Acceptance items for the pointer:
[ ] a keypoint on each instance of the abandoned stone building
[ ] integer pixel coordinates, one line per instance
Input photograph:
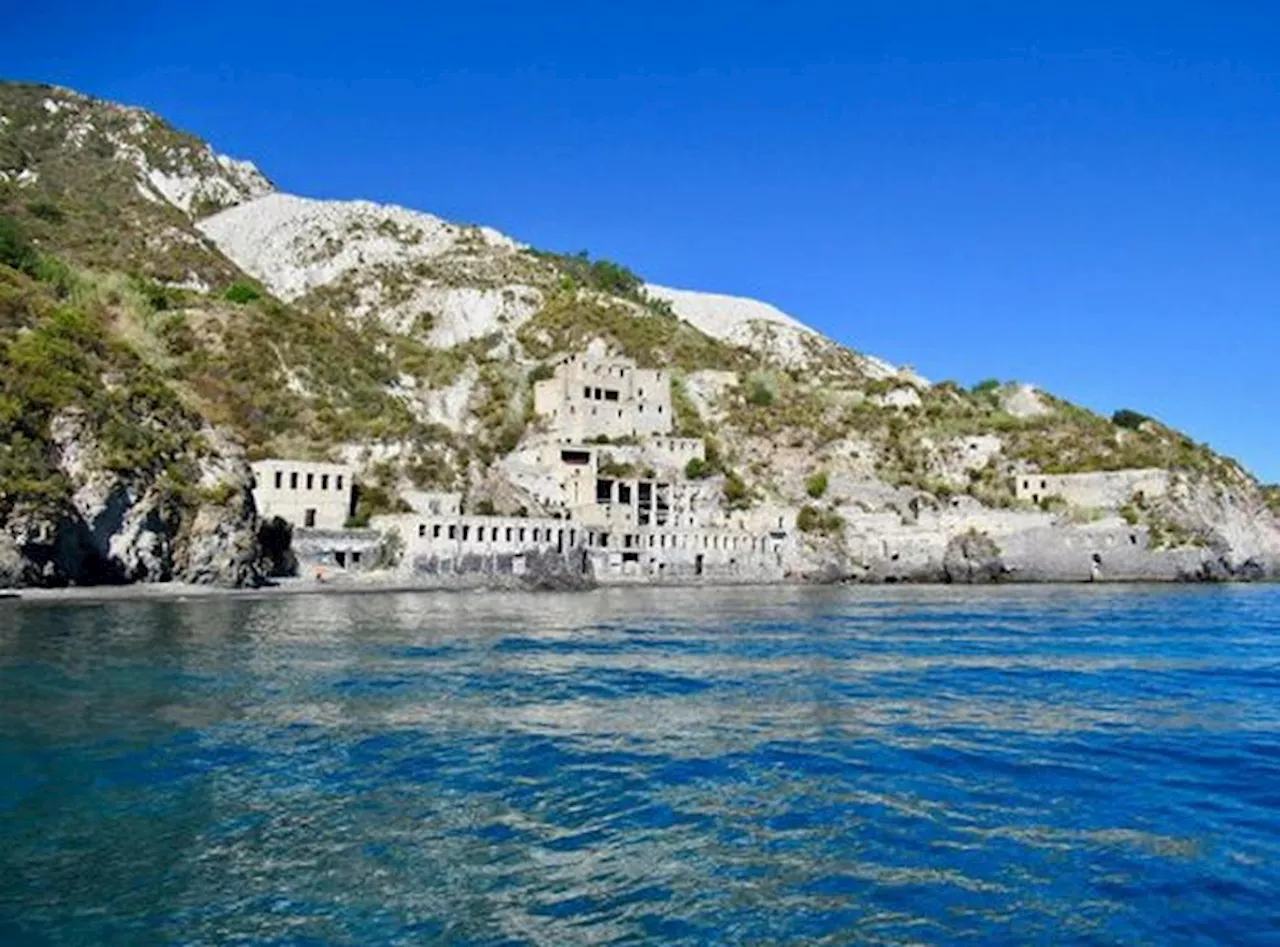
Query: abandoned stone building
(604, 471)
(440, 546)
(305, 495)
(1110, 489)
(591, 395)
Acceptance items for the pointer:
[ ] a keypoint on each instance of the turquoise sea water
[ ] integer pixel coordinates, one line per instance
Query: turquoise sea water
(926, 766)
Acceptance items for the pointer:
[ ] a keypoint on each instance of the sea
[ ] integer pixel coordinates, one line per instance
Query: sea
(868, 765)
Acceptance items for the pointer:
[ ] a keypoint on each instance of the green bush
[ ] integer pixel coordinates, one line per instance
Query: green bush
(697, 469)
(15, 249)
(241, 293)
(736, 492)
(602, 275)
(608, 467)
(541, 372)
(816, 485)
(810, 519)
(760, 395)
(1130, 420)
(988, 386)
(46, 210)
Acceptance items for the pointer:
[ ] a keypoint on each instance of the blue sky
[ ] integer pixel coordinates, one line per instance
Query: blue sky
(1085, 197)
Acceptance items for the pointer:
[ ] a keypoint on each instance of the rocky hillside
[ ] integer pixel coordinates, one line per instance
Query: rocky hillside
(267, 323)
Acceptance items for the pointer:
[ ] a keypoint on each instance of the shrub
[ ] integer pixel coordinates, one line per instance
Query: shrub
(688, 423)
(376, 499)
(697, 469)
(810, 519)
(608, 467)
(56, 275)
(241, 293)
(1130, 420)
(736, 493)
(988, 386)
(15, 249)
(46, 210)
(1132, 515)
(816, 485)
(760, 395)
(541, 372)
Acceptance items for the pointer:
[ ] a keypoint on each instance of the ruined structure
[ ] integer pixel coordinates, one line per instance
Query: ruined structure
(1109, 490)
(305, 495)
(591, 395)
(610, 478)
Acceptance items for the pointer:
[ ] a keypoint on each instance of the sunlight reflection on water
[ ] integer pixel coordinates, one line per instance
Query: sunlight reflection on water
(690, 766)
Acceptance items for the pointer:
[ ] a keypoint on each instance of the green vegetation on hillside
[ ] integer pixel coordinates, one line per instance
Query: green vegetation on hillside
(59, 357)
(570, 319)
(82, 199)
(812, 519)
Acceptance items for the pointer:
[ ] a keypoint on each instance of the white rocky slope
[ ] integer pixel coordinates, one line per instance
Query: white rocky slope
(755, 325)
(401, 264)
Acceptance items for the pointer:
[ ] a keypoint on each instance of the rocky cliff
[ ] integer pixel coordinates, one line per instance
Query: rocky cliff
(188, 314)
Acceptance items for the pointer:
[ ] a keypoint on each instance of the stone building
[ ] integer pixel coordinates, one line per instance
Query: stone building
(1110, 489)
(306, 495)
(441, 546)
(592, 395)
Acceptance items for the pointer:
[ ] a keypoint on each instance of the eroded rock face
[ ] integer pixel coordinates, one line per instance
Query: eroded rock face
(118, 527)
(972, 558)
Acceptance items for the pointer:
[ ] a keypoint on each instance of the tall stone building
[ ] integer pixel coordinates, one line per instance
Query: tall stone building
(591, 395)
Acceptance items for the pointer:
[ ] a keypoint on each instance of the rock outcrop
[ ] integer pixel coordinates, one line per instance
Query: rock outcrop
(118, 527)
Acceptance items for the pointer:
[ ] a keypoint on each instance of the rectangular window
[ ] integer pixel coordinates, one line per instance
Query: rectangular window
(509, 531)
(311, 481)
(324, 481)
(453, 531)
(586, 393)
(293, 480)
(339, 481)
(479, 534)
(309, 519)
(610, 395)
(279, 479)
(521, 534)
(598, 394)
(466, 533)
(435, 531)
(422, 530)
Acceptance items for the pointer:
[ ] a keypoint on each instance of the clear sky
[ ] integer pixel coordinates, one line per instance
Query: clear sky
(1083, 195)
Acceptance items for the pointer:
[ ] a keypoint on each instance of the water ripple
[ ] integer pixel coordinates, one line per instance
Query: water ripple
(827, 766)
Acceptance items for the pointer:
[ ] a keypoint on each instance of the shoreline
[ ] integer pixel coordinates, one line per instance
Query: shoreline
(186, 591)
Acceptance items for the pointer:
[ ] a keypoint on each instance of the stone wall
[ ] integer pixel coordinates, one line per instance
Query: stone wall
(1102, 489)
(501, 545)
(345, 550)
